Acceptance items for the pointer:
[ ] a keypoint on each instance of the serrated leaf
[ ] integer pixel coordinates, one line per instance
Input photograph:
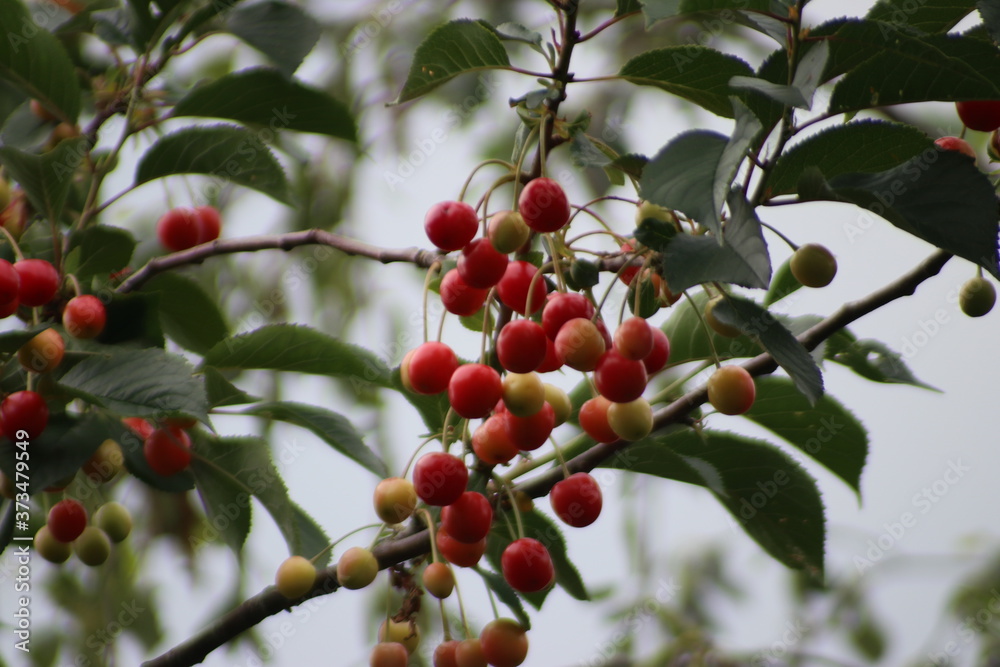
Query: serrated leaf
(693, 260)
(769, 495)
(871, 359)
(222, 392)
(283, 32)
(691, 340)
(864, 146)
(696, 73)
(929, 16)
(505, 594)
(682, 176)
(828, 432)
(188, 315)
(990, 12)
(265, 97)
(47, 178)
(247, 465)
(138, 383)
(455, 48)
(226, 500)
(99, 251)
(755, 320)
(227, 153)
(655, 234)
(808, 76)
(334, 429)
(36, 62)
(782, 284)
(300, 349)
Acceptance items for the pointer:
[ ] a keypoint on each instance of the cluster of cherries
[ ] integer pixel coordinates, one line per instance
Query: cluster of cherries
(66, 532)
(183, 227)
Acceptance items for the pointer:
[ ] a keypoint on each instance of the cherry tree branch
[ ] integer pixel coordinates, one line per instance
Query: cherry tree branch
(415, 542)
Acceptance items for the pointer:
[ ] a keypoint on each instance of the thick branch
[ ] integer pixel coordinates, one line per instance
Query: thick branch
(414, 544)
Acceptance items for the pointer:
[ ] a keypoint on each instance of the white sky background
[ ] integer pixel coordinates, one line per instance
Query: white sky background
(914, 434)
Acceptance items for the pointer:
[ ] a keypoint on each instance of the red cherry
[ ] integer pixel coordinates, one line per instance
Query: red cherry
(618, 379)
(9, 308)
(179, 229)
(543, 205)
(24, 411)
(577, 500)
(469, 518)
(84, 316)
(521, 346)
(657, 359)
(562, 307)
(530, 433)
(580, 344)
(513, 287)
(594, 420)
(167, 450)
(527, 565)
(444, 654)
(39, 281)
(634, 338)
(458, 553)
(459, 297)
(504, 643)
(491, 443)
(66, 520)
(482, 265)
(552, 361)
(9, 283)
(981, 115)
(139, 426)
(450, 225)
(440, 478)
(474, 389)
(209, 223)
(629, 273)
(431, 367)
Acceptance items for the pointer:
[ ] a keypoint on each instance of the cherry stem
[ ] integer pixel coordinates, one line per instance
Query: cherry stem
(513, 505)
(18, 255)
(445, 430)
(493, 602)
(664, 394)
(556, 262)
(343, 537)
(413, 457)
(468, 181)
(520, 163)
(709, 333)
(444, 619)
(434, 268)
(431, 528)
(559, 455)
(487, 332)
(461, 611)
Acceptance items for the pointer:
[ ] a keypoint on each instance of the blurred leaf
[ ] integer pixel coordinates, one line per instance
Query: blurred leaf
(283, 32)
(227, 153)
(627, 7)
(990, 12)
(58, 452)
(189, 316)
(334, 429)
(585, 153)
(226, 500)
(783, 283)
(46, 178)
(221, 392)
(505, 594)
(99, 251)
(264, 97)
(452, 49)
(433, 409)
(872, 359)
(517, 32)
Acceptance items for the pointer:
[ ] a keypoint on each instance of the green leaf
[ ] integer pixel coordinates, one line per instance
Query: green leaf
(134, 319)
(263, 97)
(283, 32)
(828, 432)
(693, 260)
(227, 502)
(808, 76)
(141, 383)
(627, 7)
(227, 153)
(334, 429)
(872, 359)
(35, 61)
(12, 341)
(991, 17)
(46, 178)
(696, 73)
(691, 340)
(929, 16)
(222, 392)
(782, 284)
(940, 197)
(299, 349)
(865, 146)
(656, 10)
(188, 315)
(769, 495)
(247, 466)
(455, 48)
(540, 527)
(788, 352)
(99, 251)
(505, 594)
(517, 32)
(586, 153)
(655, 234)
(433, 409)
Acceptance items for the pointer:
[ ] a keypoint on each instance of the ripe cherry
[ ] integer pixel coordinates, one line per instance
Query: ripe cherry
(440, 478)
(450, 225)
(955, 144)
(632, 420)
(469, 653)
(977, 297)
(527, 565)
(521, 346)
(507, 231)
(469, 518)
(577, 500)
(139, 426)
(43, 353)
(513, 287)
(813, 265)
(66, 520)
(580, 344)
(594, 419)
(634, 338)
(431, 367)
(356, 568)
(167, 450)
(458, 553)
(24, 411)
(39, 281)
(618, 379)
(491, 443)
(552, 361)
(474, 389)
(209, 223)
(656, 360)
(10, 283)
(980, 115)
(439, 580)
(482, 265)
(460, 298)
(295, 576)
(444, 654)
(561, 307)
(179, 229)
(84, 316)
(543, 205)
(389, 654)
(504, 642)
(731, 390)
(395, 499)
(530, 433)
